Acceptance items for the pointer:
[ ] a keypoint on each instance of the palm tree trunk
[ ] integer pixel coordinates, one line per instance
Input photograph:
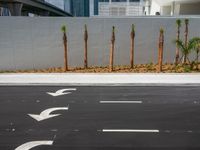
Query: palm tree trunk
(132, 47)
(132, 53)
(186, 40)
(85, 48)
(197, 60)
(177, 49)
(65, 52)
(160, 52)
(112, 47)
(184, 59)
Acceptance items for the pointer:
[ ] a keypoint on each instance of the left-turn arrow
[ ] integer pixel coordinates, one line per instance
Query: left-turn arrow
(33, 144)
(62, 92)
(46, 113)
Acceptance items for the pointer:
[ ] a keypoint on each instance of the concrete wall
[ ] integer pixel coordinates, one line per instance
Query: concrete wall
(32, 43)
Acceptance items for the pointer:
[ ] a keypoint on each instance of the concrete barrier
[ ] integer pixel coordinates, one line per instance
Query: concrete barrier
(35, 43)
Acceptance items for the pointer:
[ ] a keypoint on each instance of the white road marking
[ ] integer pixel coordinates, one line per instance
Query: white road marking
(121, 102)
(33, 144)
(54, 130)
(130, 130)
(61, 92)
(167, 131)
(46, 113)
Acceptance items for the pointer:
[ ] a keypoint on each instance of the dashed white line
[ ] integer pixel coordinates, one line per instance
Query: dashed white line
(121, 102)
(130, 130)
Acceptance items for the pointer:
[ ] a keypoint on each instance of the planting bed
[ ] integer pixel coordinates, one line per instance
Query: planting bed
(141, 68)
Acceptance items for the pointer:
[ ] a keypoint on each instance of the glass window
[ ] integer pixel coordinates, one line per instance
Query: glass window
(103, 0)
(119, 0)
(134, 0)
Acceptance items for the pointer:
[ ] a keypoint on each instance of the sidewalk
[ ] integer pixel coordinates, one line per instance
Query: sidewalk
(93, 79)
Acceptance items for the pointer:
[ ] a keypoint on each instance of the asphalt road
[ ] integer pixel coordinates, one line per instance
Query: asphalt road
(100, 118)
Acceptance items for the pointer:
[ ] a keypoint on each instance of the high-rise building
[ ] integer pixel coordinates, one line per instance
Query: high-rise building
(67, 5)
(62, 4)
(117, 7)
(4, 11)
(80, 8)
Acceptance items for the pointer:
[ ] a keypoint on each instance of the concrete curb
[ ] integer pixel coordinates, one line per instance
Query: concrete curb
(99, 79)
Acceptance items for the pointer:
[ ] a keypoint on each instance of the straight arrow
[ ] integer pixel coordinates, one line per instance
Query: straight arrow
(33, 144)
(61, 92)
(46, 113)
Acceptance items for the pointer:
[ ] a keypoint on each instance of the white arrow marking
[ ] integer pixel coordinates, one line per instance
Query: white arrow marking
(46, 114)
(30, 145)
(61, 92)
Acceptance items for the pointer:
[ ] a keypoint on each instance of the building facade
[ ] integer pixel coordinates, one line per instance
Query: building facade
(4, 11)
(80, 8)
(173, 7)
(32, 8)
(104, 8)
(117, 7)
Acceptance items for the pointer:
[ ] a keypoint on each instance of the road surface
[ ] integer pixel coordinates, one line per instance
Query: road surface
(100, 118)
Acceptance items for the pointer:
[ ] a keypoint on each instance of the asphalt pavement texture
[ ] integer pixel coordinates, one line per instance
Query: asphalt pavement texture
(100, 118)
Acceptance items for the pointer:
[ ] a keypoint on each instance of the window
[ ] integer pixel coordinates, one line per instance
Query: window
(119, 0)
(117, 11)
(4, 11)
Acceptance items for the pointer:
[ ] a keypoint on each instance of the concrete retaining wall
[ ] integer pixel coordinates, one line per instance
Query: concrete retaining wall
(33, 43)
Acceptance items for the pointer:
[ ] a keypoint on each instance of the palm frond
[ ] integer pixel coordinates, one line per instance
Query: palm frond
(180, 45)
(195, 40)
(63, 28)
(178, 22)
(133, 28)
(192, 44)
(161, 30)
(186, 21)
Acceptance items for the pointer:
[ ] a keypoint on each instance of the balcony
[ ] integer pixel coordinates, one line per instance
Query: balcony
(120, 9)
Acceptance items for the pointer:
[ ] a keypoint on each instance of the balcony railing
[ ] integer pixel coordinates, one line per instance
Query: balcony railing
(120, 9)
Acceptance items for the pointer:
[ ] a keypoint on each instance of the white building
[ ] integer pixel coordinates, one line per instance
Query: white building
(117, 7)
(172, 7)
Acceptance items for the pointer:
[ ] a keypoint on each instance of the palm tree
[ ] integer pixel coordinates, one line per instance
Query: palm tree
(197, 50)
(160, 50)
(178, 24)
(112, 47)
(63, 29)
(132, 46)
(86, 47)
(187, 48)
(186, 38)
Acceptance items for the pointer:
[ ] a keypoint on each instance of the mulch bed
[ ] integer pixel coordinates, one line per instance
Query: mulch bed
(141, 68)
